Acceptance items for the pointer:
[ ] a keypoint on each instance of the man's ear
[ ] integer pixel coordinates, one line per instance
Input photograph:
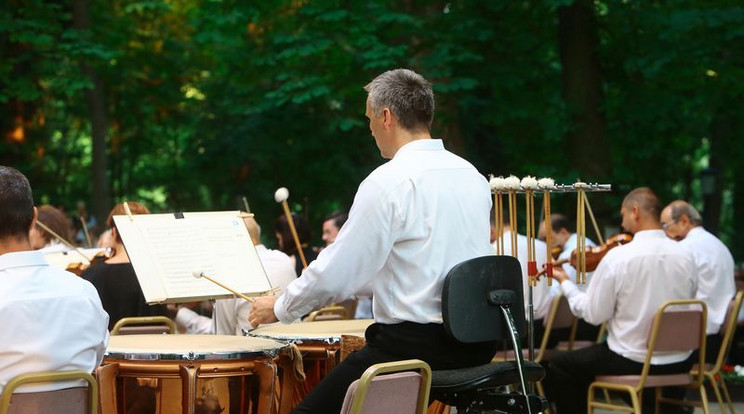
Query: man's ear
(33, 221)
(387, 118)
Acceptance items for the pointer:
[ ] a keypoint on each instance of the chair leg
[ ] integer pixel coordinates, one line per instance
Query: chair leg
(716, 391)
(657, 400)
(704, 399)
(728, 397)
(541, 392)
(606, 395)
(635, 399)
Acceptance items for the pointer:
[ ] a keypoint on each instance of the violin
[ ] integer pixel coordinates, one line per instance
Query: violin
(79, 267)
(595, 254)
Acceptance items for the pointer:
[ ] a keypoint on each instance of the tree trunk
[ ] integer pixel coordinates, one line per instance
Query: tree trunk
(100, 198)
(587, 143)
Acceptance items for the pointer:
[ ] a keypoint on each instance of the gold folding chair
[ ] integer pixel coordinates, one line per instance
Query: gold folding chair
(328, 313)
(671, 331)
(712, 370)
(72, 400)
(140, 325)
(401, 391)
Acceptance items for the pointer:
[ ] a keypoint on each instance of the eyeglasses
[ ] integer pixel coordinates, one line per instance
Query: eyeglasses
(666, 225)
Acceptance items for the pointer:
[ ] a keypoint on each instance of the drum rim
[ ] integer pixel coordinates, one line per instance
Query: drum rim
(192, 356)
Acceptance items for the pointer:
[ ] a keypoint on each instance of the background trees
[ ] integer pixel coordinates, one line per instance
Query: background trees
(191, 105)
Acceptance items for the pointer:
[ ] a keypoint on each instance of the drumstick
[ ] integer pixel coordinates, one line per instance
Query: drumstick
(200, 275)
(281, 195)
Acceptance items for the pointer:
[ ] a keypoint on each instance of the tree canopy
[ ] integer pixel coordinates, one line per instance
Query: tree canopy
(205, 102)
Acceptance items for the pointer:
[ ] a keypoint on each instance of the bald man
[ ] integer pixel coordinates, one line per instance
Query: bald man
(231, 315)
(714, 263)
(629, 285)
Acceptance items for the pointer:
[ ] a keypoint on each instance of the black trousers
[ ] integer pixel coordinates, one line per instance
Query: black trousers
(571, 373)
(385, 343)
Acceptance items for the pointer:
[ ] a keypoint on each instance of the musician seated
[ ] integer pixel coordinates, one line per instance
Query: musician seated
(287, 244)
(540, 293)
(115, 280)
(52, 319)
(562, 237)
(628, 286)
(56, 221)
(231, 315)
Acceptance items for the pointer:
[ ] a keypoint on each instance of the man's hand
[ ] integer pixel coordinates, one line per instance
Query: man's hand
(262, 311)
(559, 274)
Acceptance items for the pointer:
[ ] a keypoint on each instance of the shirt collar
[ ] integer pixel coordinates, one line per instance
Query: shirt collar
(695, 231)
(423, 144)
(22, 259)
(649, 234)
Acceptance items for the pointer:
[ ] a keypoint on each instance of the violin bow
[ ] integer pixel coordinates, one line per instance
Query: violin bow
(62, 239)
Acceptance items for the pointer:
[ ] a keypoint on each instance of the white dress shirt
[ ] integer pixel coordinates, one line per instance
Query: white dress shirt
(629, 285)
(52, 320)
(540, 293)
(715, 267)
(413, 219)
(231, 315)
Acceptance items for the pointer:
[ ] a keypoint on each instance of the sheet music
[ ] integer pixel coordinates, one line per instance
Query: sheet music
(165, 252)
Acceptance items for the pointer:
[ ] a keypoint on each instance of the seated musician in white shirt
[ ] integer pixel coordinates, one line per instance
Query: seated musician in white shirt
(412, 220)
(628, 286)
(52, 319)
(230, 316)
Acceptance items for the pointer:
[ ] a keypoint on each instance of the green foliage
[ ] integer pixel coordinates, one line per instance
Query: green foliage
(209, 101)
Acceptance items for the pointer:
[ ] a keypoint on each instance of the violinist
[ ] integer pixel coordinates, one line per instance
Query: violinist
(564, 239)
(628, 286)
(540, 293)
(52, 320)
(115, 279)
(57, 221)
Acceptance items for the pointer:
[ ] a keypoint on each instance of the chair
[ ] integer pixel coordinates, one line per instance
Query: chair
(712, 370)
(400, 391)
(140, 325)
(69, 400)
(477, 301)
(671, 331)
(328, 313)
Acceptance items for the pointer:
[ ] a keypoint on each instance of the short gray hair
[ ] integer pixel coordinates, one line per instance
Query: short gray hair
(408, 96)
(681, 208)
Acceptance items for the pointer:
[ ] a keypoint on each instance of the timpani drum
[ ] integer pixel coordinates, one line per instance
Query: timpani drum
(319, 343)
(194, 360)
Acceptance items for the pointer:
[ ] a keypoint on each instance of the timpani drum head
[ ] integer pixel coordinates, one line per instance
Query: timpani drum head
(323, 331)
(189, 347)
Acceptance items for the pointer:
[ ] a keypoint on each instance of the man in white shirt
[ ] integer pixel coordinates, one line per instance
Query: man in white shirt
(412, 220)
(629, 285)
(714, 263)
(52, 319)
(230, 316)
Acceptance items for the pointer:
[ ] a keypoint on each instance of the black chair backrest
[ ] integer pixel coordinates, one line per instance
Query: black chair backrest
(469, 316)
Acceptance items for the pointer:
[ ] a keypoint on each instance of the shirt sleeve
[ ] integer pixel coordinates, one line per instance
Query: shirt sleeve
(597, 304)
(348, 264)
(193, 322)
